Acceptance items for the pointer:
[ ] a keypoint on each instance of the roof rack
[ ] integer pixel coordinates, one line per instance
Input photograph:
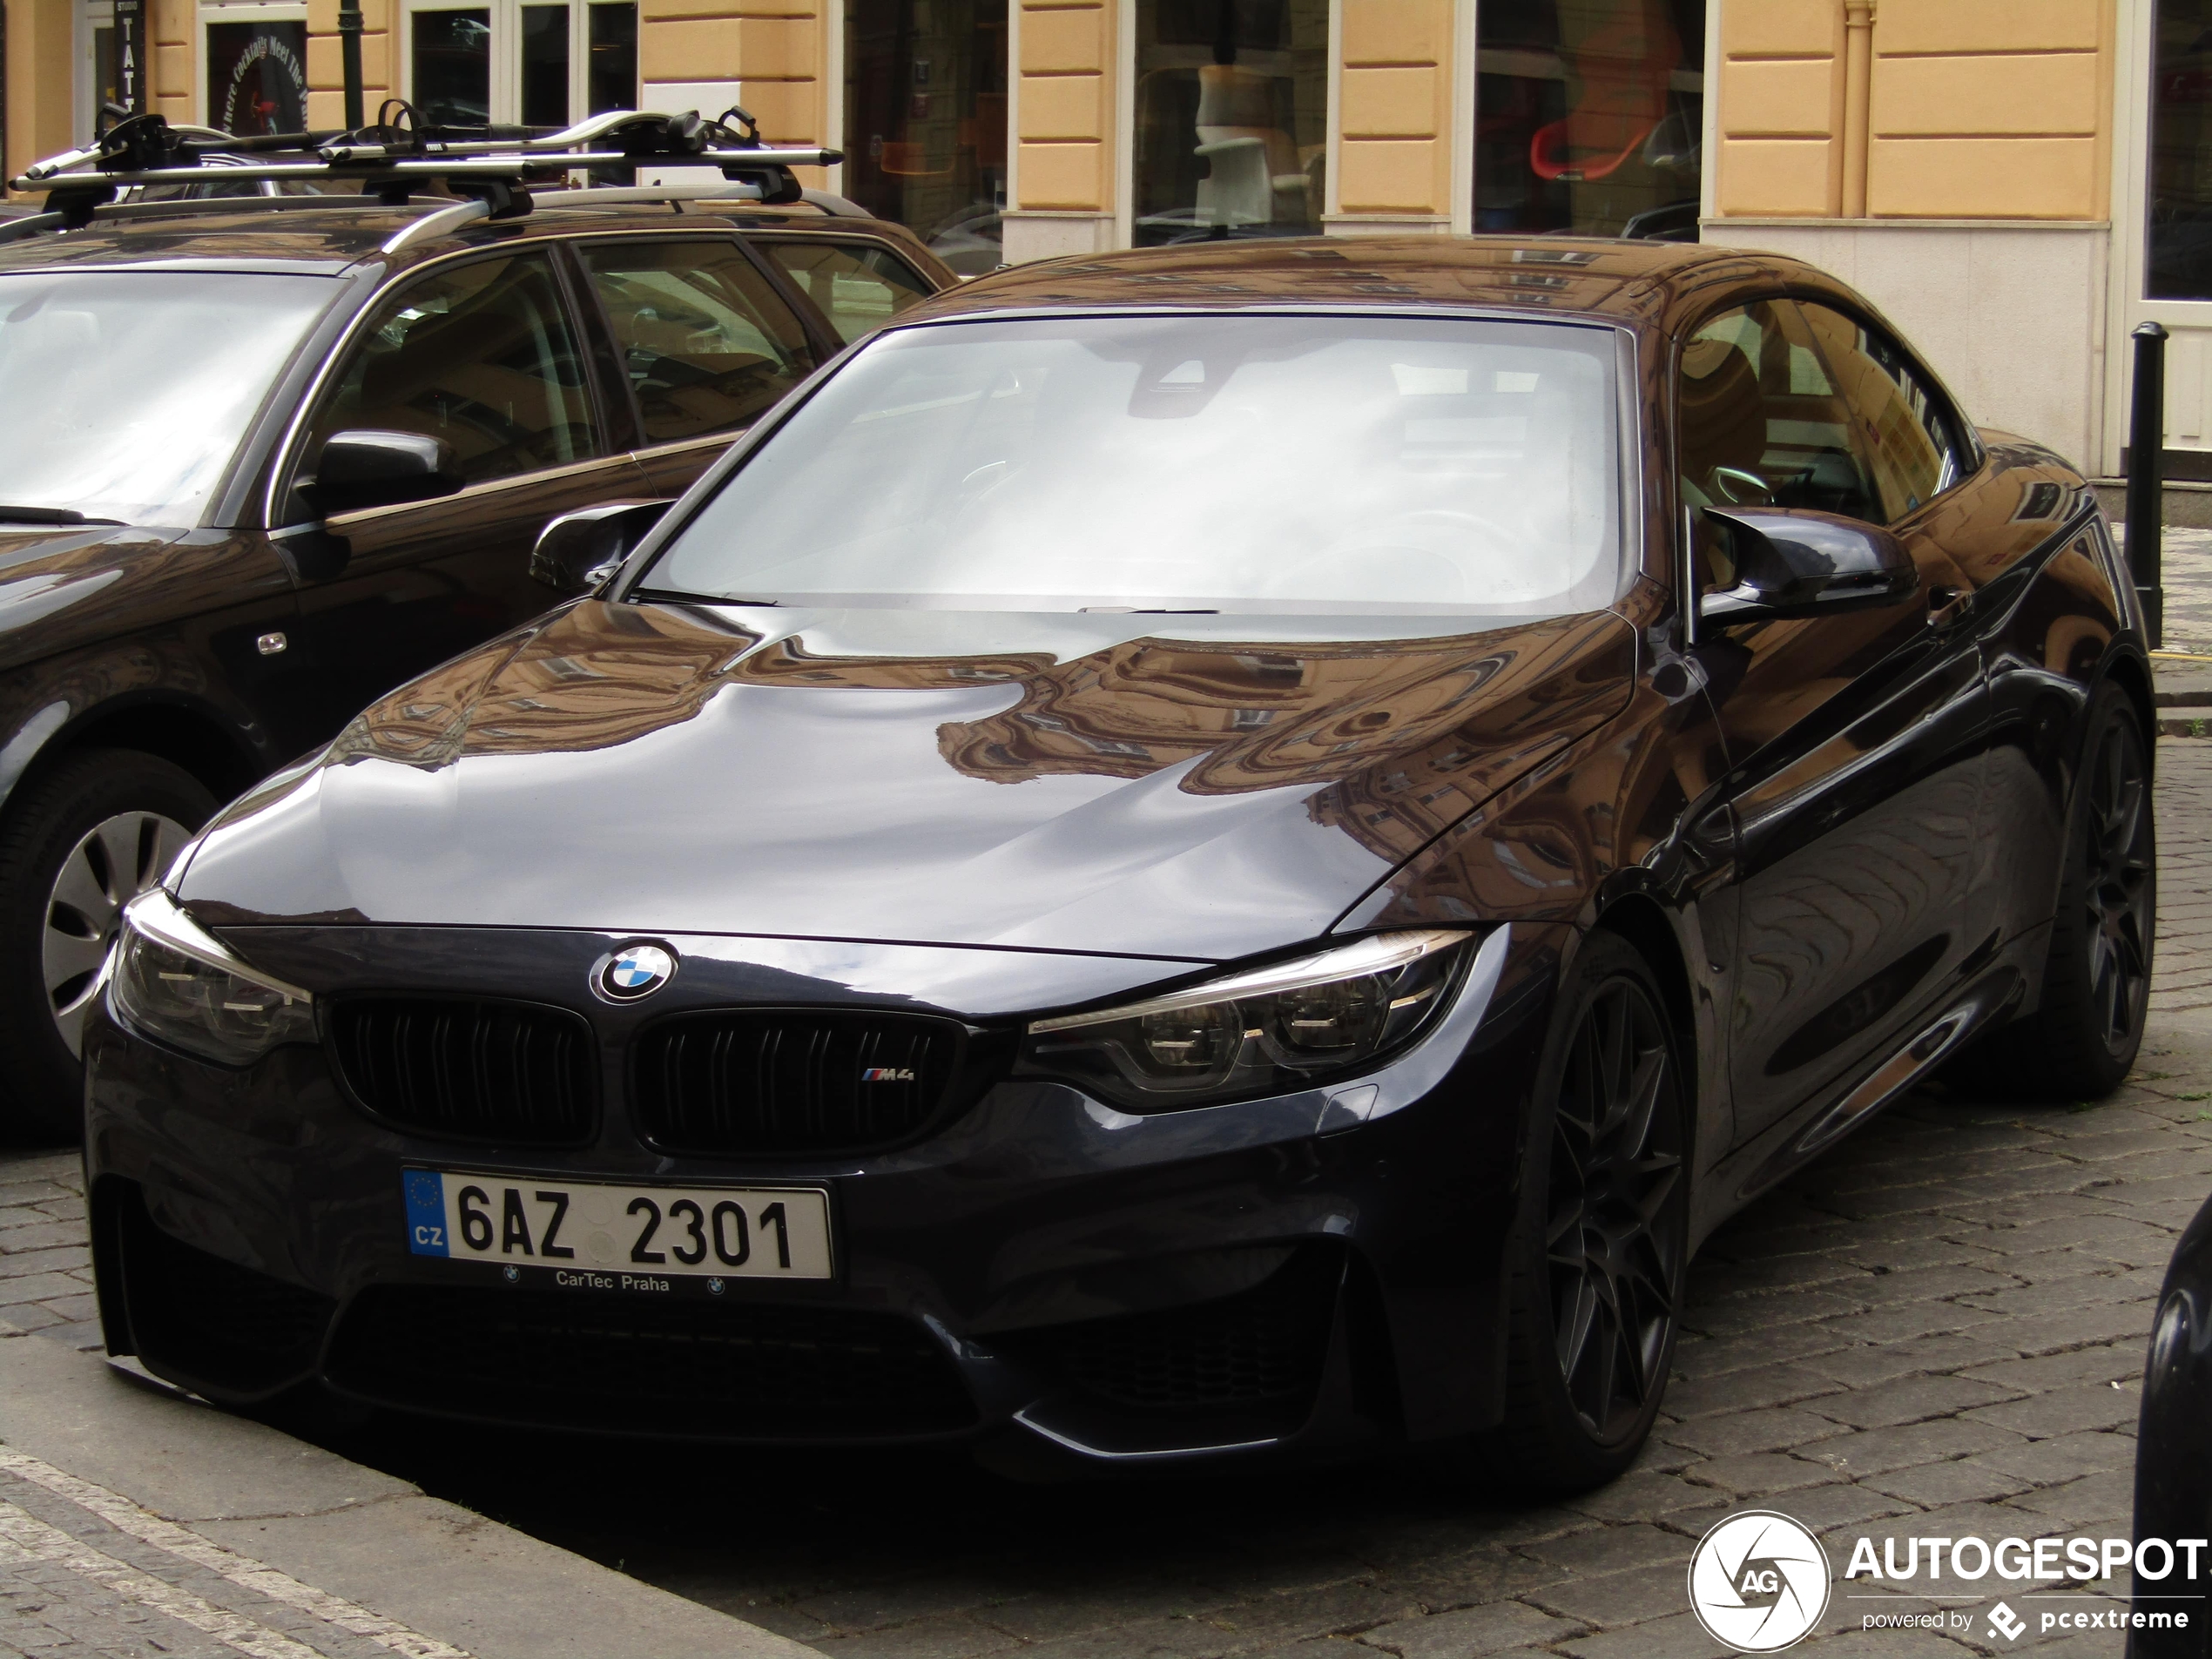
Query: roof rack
(494, 165)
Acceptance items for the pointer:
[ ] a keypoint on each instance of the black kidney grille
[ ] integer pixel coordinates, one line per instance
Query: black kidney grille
(723, 1369)
(773, 1080)
(474, 1070)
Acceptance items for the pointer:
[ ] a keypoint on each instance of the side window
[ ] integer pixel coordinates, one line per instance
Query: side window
(708, 342)
(854, 286)
(1900, 434)
(479, 355)
(1761, 421)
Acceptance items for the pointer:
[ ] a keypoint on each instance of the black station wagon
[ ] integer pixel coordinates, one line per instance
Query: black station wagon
(262, 459)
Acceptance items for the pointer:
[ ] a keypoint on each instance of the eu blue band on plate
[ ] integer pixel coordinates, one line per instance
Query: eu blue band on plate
(426, 1213)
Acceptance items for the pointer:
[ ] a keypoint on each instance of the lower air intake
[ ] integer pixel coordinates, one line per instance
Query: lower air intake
(229, 1331)
(1258, 1350)
(505, 1072)
(715, 1370)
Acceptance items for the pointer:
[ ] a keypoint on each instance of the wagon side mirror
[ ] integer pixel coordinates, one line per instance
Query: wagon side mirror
(367, 468)
(576, 551)
(1792, 561)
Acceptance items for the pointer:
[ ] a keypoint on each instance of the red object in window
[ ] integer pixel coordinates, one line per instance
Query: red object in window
(1623, 68)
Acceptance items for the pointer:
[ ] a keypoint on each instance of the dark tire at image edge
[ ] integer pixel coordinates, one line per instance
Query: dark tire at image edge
(1600, 1248)
(78, 842)
(2081, 1041)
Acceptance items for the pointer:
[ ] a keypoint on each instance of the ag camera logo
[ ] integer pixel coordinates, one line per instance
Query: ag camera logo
(1758, 1581)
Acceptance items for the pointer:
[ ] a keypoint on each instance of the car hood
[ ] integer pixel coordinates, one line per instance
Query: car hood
(1046, 782)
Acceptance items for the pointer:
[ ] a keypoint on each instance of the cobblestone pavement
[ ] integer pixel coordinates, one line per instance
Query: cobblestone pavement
(2185, 556)
(1937, 1330)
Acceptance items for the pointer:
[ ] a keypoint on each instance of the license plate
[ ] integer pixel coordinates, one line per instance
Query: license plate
(584, 1233)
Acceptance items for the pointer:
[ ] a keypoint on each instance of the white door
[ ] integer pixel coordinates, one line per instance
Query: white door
(95, 79)
(2162, 262)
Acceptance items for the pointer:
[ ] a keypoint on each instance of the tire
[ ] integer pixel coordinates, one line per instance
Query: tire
(2081, 1041)
(1600, 1249)
(76, 843)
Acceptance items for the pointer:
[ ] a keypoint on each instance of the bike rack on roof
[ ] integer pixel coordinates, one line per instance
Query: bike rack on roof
(494, 165)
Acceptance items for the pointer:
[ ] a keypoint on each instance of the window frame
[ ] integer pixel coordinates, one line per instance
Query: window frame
(1965, 441)
(218, 11)
(504, 86)
(282, 509)
(1965, 438)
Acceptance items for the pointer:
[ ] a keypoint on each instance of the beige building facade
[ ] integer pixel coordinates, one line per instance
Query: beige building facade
(2017, 182)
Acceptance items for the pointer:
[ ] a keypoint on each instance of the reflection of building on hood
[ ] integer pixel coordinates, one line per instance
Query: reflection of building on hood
(1394, 739)
(642, 669)
(1400, 739)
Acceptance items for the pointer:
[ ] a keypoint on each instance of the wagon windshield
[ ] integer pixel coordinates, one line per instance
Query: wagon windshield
(124, 393)
(1253, 464)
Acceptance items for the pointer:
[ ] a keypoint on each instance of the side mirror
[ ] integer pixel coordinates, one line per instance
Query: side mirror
(578, 551)
(367, 468)
(1792, 561)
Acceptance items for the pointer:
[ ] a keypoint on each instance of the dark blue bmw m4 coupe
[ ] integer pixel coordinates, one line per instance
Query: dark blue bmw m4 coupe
(1215, 852)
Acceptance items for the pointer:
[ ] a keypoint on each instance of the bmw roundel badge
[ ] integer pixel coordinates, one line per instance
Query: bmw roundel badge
(632, 973)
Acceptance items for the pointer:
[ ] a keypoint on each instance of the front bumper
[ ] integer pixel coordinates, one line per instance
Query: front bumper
(1043, 1274)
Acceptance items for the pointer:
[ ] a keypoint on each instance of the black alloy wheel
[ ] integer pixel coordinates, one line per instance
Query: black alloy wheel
(1598, 1267)
(2081, 1040)
(1613, 1234)
(2118, 906)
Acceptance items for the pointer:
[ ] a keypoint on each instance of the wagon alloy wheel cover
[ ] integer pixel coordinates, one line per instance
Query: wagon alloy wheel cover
(118, 859)
(1614, 1238)
(2118, 890)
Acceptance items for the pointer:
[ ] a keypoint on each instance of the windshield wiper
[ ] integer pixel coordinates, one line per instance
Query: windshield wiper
(49, 516)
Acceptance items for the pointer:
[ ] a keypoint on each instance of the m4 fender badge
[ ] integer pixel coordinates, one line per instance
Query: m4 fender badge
(887, 1074)
(633, 972)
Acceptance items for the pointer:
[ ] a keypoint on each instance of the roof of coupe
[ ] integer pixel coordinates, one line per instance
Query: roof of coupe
(1628, 280)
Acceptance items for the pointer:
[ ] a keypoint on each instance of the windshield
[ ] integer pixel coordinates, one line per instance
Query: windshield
(123, 394)
(1258, 464)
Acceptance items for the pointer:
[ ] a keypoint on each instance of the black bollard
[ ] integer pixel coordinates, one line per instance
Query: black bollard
(2146, 491)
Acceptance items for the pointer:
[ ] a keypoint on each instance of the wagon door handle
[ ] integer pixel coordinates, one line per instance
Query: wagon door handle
(1946, 605)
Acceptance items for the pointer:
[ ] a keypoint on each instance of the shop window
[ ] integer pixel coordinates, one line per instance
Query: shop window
(2179, 263)
(452, 63)
(1589, 117)
(1232, 105)
(257, 72)
(536, 65)
(610, 67)
(925, 121)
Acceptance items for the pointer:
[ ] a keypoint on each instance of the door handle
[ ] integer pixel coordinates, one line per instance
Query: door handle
(1947, 606)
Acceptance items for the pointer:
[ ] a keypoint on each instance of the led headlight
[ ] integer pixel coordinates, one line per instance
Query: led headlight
(173, 981)
(1268, 1030)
